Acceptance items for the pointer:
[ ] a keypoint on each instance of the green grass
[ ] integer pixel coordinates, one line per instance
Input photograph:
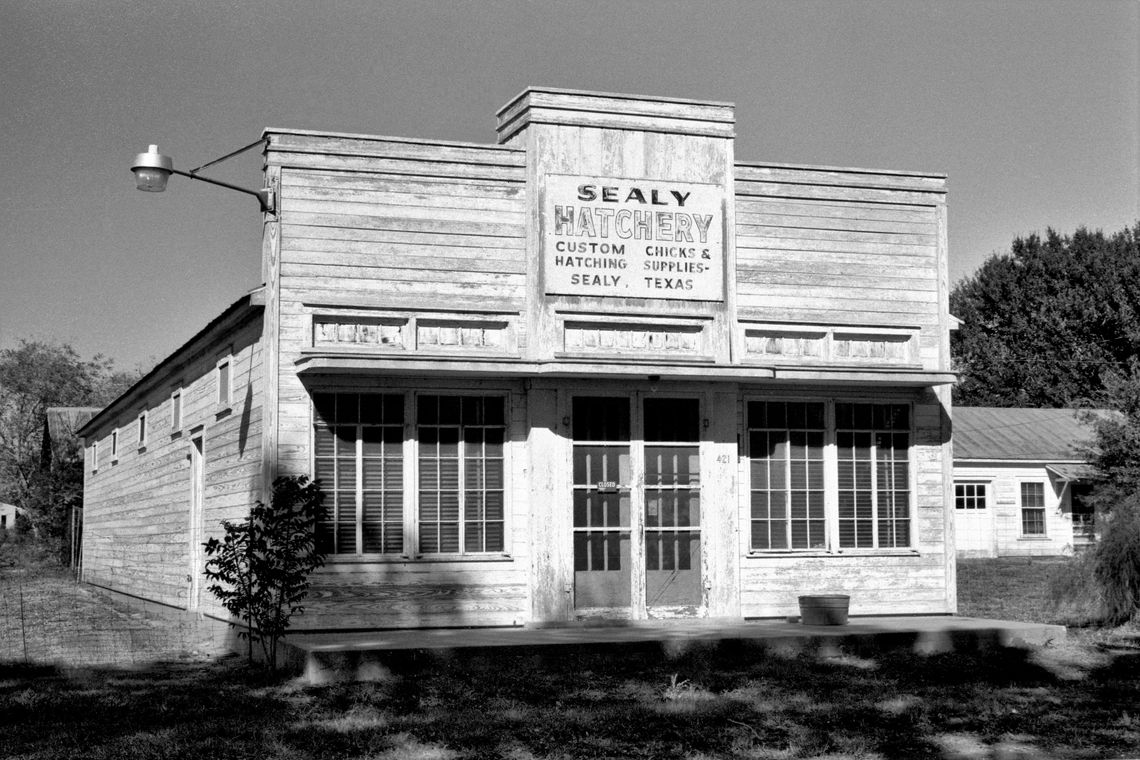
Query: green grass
(1074, 699)
(1055, 703)
(1009, 588)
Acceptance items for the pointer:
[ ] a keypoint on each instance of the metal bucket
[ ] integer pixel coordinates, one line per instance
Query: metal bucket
(824, 609)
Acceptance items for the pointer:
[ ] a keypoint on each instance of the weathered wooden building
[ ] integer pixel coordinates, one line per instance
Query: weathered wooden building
(602, 368)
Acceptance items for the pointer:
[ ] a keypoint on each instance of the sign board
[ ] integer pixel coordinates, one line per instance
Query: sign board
(632, 238)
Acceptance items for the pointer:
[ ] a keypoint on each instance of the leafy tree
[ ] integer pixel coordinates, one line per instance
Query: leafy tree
(261, 565)
(34, 376)
(1042, 323)
(1114, 567)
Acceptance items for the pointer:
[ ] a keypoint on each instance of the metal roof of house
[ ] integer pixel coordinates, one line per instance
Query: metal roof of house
(63, 421)
(1042, 435)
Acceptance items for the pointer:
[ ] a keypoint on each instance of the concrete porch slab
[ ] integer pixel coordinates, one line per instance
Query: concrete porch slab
(375, 655)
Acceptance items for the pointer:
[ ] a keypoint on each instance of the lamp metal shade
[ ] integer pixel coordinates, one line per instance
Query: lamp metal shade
(152, 169)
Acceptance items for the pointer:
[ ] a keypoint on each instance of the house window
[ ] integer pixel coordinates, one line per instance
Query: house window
(176, 409)
(94, 456)
(872, 444)
(456, 502)
(142, 429)
(969, 495)
(114, 444)
(786, 441)
(1033, 509)
(224, 380)
(461, 491)
(358, 444)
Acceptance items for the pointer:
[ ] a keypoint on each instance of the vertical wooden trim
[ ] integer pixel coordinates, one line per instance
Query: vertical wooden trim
(729, 342)
(271, 339)
(720, 508)
(638, 607)
(552, 565)
(535, 308)
(830, 476)
(410, 451)
(945, 404)
(197, 513)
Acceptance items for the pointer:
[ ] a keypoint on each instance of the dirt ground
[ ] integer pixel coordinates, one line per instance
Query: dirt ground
(46, 618)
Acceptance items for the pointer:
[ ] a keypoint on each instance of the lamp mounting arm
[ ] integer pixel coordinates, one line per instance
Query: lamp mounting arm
(228, 156)
(264, 195)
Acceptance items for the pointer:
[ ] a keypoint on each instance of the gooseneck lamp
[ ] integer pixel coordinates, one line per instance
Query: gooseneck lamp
(152, 170)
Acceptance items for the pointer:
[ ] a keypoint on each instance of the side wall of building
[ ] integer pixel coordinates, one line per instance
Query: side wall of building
(138, 535)
(997, 530)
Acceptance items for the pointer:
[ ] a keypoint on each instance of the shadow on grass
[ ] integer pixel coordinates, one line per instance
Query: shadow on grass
(845, 702)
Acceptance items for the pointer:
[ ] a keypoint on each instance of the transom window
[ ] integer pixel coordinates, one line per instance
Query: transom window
(789, 470)
(1033, 509)
(969, 495)
(360, 454)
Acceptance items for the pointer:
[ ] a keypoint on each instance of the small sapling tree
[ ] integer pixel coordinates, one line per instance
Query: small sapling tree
(261, 566)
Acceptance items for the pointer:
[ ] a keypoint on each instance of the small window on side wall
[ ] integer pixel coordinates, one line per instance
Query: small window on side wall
(224, 375)
(94, 456)
(142, 429)
(969, 495)
(176, 409)
(1033, 509)
(114, 444)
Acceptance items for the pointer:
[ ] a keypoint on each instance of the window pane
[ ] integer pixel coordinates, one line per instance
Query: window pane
(672, 419)
(873, 441)
(600, 419)
(787, 440)
(370, 520)
(461, 473)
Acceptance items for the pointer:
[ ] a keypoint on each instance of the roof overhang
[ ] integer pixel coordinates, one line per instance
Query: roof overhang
(1070, 471)
(321, 362)
(240, 310)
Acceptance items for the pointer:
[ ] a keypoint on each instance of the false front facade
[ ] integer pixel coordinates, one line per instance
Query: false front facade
(598, 369)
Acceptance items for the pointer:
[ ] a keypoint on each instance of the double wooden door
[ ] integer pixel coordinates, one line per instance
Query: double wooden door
(637, 506)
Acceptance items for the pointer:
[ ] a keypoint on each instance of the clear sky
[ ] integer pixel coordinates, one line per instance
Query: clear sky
(1029, 107)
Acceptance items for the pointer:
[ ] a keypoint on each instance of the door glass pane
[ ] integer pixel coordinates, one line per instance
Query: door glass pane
(672, 502)
(601, 502)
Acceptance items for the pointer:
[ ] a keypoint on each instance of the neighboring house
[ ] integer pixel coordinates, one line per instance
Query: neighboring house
(601, 369)
(8, 516)
(1021, 482)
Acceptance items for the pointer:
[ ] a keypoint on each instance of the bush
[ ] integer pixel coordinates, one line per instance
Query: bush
(1102, 585)
(262, 564)
(1075, 593)
(21, 551)
(1116, 566)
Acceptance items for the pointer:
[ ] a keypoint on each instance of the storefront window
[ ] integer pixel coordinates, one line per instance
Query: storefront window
(459, 494)
(873, 441)
(786, 441)
(358, 457)
(788, 471)
(460, 440)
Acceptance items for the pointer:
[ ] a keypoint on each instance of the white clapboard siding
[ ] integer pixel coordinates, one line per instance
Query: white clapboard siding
(136, 510)
(840, 246)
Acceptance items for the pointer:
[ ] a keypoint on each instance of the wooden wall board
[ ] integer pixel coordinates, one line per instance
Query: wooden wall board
(136, 511)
